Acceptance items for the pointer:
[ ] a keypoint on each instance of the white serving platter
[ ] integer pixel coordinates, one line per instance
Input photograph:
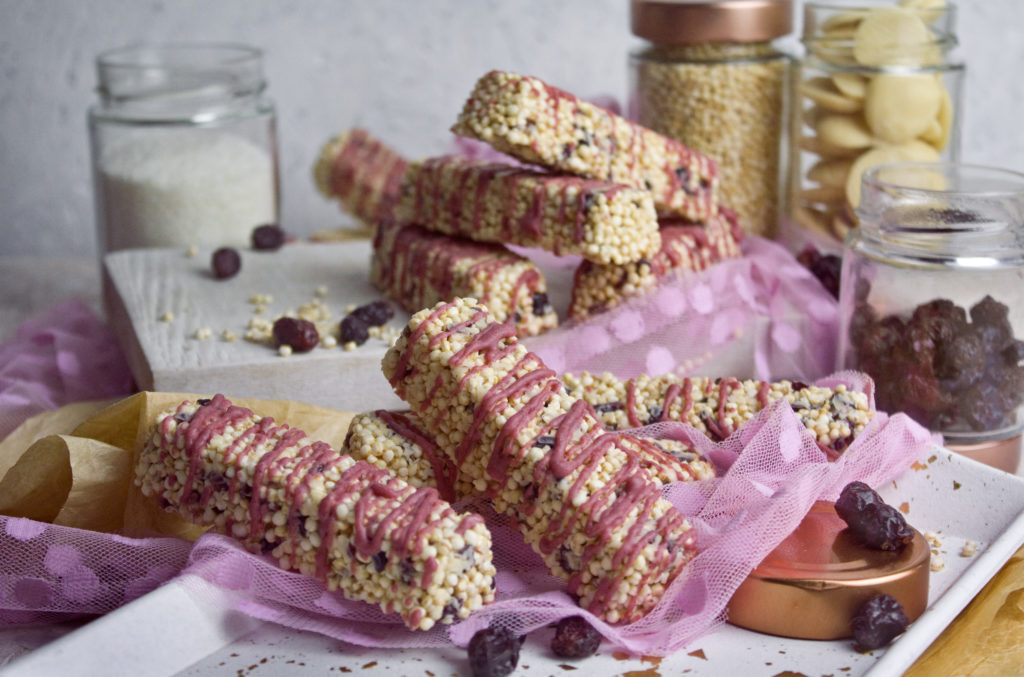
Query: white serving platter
(170, 632)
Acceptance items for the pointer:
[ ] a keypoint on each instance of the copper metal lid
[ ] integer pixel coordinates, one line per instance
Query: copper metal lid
(687, 22)
(1002, 454)
(812, 585)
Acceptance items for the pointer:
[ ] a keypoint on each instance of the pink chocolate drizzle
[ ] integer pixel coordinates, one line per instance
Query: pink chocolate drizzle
(700, 171)
(418, 268)
(386, 509)
(454, 209)
(579, 443)
(367, 174)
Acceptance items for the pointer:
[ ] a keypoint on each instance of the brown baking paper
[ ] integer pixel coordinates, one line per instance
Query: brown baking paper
(74, 466)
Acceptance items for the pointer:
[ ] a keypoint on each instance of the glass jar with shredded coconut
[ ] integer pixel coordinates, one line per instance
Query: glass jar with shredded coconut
(184, 146)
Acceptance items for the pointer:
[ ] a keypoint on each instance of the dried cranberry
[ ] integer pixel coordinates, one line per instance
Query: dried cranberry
(878, 621)
(575, 638)
(984, 406)
(960, 360)
(354, 330)
(877, 524)
(493, 652)
(990, 312)
(301, 335)
(375, 313)
(226, 263)
(827, 269)
(267, 237)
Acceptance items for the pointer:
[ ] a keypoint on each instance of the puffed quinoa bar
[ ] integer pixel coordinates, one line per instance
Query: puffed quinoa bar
(579, 494)
(396, 441)
(719, 406)
(417, 268)
(351, 525)
(541, 124)
(493, 202)
(362, 173)
(684, 247)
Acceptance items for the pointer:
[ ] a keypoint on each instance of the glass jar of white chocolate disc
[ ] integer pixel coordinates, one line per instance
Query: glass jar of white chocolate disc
(184, 146)
(880, 82)
(932, 297)
(713, 76)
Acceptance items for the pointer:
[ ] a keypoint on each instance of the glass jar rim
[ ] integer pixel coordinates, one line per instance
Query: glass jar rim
(144, 55)
(872, 176)
(958, 214)
(177, 79)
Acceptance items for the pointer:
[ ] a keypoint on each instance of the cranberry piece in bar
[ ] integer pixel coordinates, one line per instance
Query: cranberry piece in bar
(226, 263)
(575, 638)
(493, 652)
(878, 621)
(301, 335)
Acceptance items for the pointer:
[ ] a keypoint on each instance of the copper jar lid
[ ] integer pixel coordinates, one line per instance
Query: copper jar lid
(687, 22)
(812, 585)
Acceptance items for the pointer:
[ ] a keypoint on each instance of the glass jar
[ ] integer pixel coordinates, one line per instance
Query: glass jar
(184, 146)
(932, 297)
(711, 77)
(879, 82)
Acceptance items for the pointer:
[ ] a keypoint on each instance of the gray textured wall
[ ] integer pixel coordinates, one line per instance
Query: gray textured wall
(399, 67)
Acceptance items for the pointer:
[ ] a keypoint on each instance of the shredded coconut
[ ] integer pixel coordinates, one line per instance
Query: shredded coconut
(165, 189)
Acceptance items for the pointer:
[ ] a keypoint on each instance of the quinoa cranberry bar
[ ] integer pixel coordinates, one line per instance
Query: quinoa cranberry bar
(351, 525)
(684, 247)
(396, 441)
(580, 496)
(493, 202)
(417, 268)
(540, 124)
(719, 406)
(362, 173)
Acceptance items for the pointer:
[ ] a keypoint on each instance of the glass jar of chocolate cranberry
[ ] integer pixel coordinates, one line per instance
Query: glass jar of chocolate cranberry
(932, 298)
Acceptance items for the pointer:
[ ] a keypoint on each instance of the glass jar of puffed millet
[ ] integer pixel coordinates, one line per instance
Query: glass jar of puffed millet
(880, 82)
(712, 76)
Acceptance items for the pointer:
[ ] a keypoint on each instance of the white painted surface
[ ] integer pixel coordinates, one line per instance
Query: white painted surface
(399, 67)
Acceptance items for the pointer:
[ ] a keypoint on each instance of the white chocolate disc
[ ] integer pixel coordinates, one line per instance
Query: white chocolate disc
(852, 85)
(823, 92)
(891, 36)
(899, 108)
(914, 151)
(830, 172)
(844, 131)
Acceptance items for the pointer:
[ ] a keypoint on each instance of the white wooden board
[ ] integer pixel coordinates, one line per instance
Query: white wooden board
(142, 284)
